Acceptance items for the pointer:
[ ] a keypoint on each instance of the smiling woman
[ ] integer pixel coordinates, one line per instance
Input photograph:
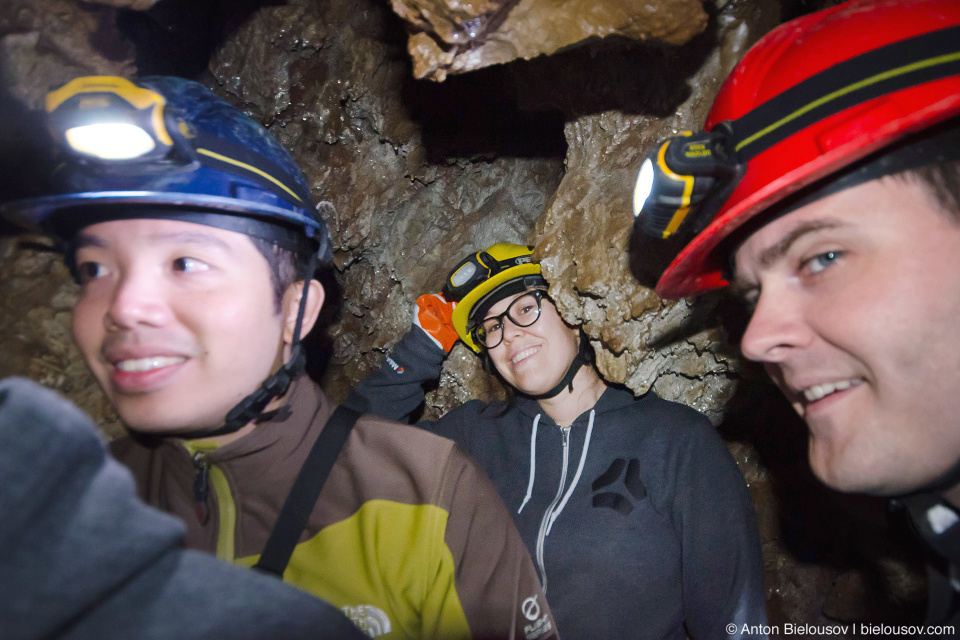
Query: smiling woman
(635, 513)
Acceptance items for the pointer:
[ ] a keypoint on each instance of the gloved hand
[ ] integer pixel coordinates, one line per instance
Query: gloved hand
(432, 313)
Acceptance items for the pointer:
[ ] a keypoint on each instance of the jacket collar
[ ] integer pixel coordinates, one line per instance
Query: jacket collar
(285, 428)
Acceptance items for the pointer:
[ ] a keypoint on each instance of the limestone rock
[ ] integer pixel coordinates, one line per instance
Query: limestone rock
(590, 256)
(450, 36)
(325, 78)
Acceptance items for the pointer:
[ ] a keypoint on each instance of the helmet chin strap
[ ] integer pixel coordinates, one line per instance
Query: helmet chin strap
(582, 358)
(251, 407)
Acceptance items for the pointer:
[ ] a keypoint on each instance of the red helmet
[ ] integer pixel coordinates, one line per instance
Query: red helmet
(814, 96)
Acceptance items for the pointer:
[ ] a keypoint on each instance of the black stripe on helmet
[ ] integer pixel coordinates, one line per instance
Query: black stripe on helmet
(907, 63)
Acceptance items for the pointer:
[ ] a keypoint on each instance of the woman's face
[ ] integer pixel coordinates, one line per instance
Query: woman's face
(533, 359)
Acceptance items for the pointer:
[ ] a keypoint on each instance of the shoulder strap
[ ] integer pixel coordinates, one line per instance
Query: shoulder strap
(306, 489)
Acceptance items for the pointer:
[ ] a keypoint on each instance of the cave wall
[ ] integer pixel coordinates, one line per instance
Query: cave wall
(507, 138)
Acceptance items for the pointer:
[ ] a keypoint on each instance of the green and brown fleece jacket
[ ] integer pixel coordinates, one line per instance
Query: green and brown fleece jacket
(408, 537)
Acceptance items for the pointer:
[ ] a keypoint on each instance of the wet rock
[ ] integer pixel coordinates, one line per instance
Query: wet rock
(449, 36)
(590, 255)
(329, 83)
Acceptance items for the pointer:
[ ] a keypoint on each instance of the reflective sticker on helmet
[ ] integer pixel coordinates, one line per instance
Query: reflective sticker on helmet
(462, 275)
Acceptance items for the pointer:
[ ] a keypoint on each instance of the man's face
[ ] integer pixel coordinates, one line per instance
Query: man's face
(534, 359)
(176, 320)
(857, 320)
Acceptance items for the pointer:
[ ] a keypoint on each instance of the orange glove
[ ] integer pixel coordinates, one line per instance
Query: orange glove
(432, 313)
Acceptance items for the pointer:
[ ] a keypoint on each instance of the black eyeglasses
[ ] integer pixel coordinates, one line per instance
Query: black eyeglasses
(523, 312)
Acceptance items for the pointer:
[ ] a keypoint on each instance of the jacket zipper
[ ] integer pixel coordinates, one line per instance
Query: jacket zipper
(207, 475)
(545, 522)
(201, 486)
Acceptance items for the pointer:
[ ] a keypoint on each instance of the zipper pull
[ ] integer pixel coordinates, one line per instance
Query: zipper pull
(201, 486)
(566, 436)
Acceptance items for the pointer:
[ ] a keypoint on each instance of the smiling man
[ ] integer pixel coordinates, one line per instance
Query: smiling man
(166, 317)
(856, 304)
(193, 238)
(827, 188)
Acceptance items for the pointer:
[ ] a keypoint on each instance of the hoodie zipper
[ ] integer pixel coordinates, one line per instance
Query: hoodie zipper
(545, 521)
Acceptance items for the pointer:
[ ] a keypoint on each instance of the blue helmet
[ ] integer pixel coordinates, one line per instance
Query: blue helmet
(168, 147)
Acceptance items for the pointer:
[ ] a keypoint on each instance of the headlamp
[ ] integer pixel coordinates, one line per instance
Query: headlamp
(689, 178)
(677, 177)
(108, 118)
(472, 270)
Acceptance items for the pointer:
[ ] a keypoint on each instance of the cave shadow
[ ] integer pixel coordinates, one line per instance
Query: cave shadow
(519, 109)
(177, 37)
(318, 345)
(26, 152)
(649, 256)
(478, 114)
(614, 74)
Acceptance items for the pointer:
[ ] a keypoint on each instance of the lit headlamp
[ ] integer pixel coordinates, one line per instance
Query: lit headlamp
(676, 179)
(471, 272)
(108, 118)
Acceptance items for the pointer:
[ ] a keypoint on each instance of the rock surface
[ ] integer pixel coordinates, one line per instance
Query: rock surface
(450, 36)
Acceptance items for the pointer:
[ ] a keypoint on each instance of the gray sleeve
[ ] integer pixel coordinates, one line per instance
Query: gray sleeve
(723, 579)
(395, 390)
(82, 558)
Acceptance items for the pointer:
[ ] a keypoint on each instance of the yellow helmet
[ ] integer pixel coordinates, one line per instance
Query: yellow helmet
(484, 278)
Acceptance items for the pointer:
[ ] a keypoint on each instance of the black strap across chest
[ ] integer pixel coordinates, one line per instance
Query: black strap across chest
(306, 489)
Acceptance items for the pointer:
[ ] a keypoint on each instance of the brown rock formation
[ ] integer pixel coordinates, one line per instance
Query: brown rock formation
(449, 36)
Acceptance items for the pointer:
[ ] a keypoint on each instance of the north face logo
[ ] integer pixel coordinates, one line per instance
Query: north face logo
(369, 619)
(613, 499)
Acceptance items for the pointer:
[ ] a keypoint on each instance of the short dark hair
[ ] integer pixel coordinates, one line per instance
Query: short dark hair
(942, 180)
(286, 267)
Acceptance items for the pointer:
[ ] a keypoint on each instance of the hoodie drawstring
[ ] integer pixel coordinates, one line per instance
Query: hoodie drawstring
(533, 463)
